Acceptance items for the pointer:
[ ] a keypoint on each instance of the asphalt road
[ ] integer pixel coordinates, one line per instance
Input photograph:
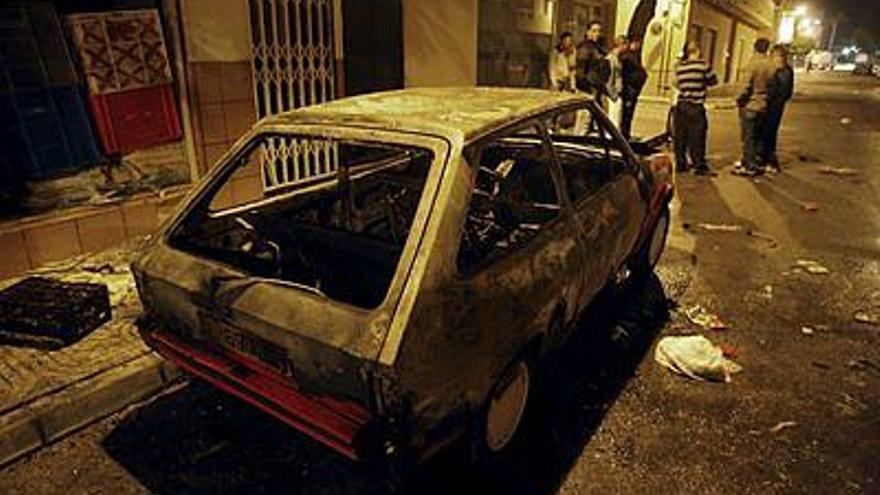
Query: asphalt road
(611, 420)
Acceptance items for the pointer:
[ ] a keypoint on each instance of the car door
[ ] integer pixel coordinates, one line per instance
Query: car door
(601, 185)
(518, 259)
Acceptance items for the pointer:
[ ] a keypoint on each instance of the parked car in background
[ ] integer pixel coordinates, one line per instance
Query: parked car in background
(385, 272)
(820, 60)
(864, 64)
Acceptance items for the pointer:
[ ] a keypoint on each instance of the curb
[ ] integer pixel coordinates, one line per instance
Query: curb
(39, 424)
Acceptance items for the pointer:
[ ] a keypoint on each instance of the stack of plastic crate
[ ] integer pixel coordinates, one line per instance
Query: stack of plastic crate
(126, 66)
(44, 127)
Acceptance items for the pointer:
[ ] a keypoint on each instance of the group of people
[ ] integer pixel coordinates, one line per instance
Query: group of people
(615, 76)
(769, 85)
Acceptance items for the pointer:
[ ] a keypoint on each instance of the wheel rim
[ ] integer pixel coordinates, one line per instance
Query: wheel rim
(506, 409)
(658, 240)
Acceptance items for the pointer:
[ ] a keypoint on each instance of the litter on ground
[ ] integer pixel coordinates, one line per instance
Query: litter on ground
(838, 171)
(698, 315)
(866, 317)
(810, 206)
(766, 237)
(695, 357)
(812, 266)
(720, 227)
(808, 331)
(782, 425)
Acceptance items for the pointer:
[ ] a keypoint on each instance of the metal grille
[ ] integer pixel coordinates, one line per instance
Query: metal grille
(287, 160)
(293, 63)
(293, 66)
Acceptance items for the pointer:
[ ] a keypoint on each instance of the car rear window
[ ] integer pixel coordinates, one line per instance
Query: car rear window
(331, 215)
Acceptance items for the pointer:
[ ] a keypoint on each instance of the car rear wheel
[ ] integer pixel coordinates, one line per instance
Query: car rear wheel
(502, 418)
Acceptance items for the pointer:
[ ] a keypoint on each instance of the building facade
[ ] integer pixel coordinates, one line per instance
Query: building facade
(232, 62)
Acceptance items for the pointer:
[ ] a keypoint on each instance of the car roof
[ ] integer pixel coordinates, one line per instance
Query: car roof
(463, 112)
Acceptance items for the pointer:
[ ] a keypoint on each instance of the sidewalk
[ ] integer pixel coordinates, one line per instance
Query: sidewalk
(720, 97)
(45, 395)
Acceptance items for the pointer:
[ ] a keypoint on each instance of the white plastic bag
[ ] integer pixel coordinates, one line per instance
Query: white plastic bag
(694, 356)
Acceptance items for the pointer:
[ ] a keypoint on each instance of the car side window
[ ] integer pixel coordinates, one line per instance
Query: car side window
(514, 196)
(589, 154)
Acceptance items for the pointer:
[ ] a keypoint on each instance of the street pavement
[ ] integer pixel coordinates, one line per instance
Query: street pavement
(802, 417)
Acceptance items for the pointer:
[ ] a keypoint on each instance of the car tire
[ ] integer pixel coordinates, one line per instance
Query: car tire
(499, 426)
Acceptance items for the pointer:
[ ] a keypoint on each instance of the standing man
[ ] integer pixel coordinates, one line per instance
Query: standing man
(563, 64)
(780, 91)
(634, 78)
(692, 78)
(752, 103)
(614, 86)
(593, 70)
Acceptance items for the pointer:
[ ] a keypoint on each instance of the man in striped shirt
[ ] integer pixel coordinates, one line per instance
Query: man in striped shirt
(692, 78)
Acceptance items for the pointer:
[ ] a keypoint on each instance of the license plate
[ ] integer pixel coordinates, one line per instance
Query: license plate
(231, 338)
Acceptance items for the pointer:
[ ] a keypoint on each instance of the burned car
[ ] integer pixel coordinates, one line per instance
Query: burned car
(384, 272)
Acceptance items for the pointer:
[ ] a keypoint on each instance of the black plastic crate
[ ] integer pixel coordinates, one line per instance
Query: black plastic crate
(50, 314)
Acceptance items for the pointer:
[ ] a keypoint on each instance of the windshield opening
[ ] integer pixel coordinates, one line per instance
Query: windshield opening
(332, 215)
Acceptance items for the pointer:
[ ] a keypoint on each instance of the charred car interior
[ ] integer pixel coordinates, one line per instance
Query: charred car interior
(339, 233)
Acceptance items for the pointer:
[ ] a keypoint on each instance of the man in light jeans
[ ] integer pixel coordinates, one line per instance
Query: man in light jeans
(752, 103)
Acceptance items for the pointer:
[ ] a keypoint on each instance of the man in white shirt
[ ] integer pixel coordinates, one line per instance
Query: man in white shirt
(563, 64)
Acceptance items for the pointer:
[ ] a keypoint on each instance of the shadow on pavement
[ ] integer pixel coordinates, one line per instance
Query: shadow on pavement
(197, 440)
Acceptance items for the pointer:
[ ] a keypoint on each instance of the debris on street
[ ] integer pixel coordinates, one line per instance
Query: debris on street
(766, 237)
(811, 266)
(808, 331)
(695, 357)
(846, 121)
(850, 406)
(698, 315)
(720, 227)
(782, 425)
(729, 351)
(838, 171)
(810, 206)
(766, 292)
(866, 317)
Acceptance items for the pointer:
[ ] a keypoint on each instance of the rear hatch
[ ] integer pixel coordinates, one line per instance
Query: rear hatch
(292, 257)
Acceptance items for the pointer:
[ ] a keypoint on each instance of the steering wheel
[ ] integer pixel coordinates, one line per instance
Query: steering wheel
(257, 245)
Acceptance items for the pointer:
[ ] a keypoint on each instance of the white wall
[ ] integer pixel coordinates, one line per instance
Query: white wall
(216, 30)
(440, 42)
(710, 18)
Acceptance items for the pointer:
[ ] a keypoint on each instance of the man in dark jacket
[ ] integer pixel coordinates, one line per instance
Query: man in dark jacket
(634, 77)
(780, 91)
(593, 69)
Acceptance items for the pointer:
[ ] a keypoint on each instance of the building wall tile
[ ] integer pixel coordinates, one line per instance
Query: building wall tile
(13, 254)
(52, 242)
(101, 231)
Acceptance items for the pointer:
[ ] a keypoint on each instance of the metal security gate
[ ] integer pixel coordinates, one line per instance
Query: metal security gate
(295, 47)
(293, 63)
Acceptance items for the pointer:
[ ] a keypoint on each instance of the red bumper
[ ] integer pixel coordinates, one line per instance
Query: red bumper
(332, 422)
